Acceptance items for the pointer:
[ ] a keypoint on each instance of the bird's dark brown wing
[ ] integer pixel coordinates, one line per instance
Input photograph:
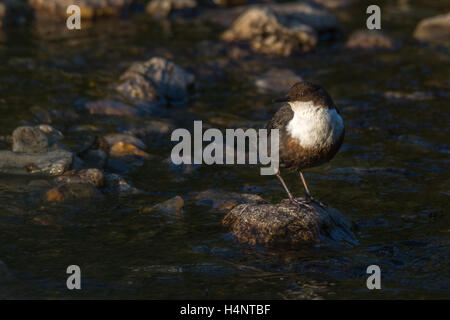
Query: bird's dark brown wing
(281, 118)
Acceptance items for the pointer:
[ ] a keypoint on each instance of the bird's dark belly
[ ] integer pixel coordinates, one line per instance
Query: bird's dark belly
(295, 157)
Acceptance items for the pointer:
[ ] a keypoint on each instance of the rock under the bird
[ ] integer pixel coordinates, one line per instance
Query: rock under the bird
(287, 224)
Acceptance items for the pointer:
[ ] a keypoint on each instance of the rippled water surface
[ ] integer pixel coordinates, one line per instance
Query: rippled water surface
(391, 175)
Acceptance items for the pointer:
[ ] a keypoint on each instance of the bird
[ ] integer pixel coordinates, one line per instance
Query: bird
(311, 131)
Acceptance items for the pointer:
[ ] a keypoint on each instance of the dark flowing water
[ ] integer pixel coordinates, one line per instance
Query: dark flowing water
(391, 175)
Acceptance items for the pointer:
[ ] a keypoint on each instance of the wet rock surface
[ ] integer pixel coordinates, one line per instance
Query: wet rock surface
(288, 224)
(29, 139)
(51, 163)
(93, 176)
(271, 33)
(434, 29)
(157, 81)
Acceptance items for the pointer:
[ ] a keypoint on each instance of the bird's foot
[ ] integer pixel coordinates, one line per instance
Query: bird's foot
(302, 203)
(296, 202)
(309, 199)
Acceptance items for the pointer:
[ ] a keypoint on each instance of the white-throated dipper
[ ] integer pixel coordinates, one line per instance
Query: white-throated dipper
(311, 130)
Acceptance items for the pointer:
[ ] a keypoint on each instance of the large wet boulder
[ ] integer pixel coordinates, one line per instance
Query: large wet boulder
(156, 81)
(289, 224)
(90, 9)
(71, 192)
(161, 9)
(174, 206)
(435, 29)
(271, 33)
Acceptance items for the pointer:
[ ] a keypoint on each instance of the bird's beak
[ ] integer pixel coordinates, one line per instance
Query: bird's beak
(283, 99)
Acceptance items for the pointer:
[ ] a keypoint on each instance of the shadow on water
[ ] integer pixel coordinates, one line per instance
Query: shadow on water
(391, 175)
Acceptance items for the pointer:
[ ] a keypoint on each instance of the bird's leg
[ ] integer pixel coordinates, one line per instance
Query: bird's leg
(291, 198)
(308, 194)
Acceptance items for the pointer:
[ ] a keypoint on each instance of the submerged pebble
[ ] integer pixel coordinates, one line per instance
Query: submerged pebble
(174, 205)
(69, 192)
(122, 149)
(93, 176)
(114, 138)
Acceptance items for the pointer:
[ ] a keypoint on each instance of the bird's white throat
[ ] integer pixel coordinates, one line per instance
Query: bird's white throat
(313, 126)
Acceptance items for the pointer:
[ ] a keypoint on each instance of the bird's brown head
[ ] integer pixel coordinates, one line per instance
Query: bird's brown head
(306, 91)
